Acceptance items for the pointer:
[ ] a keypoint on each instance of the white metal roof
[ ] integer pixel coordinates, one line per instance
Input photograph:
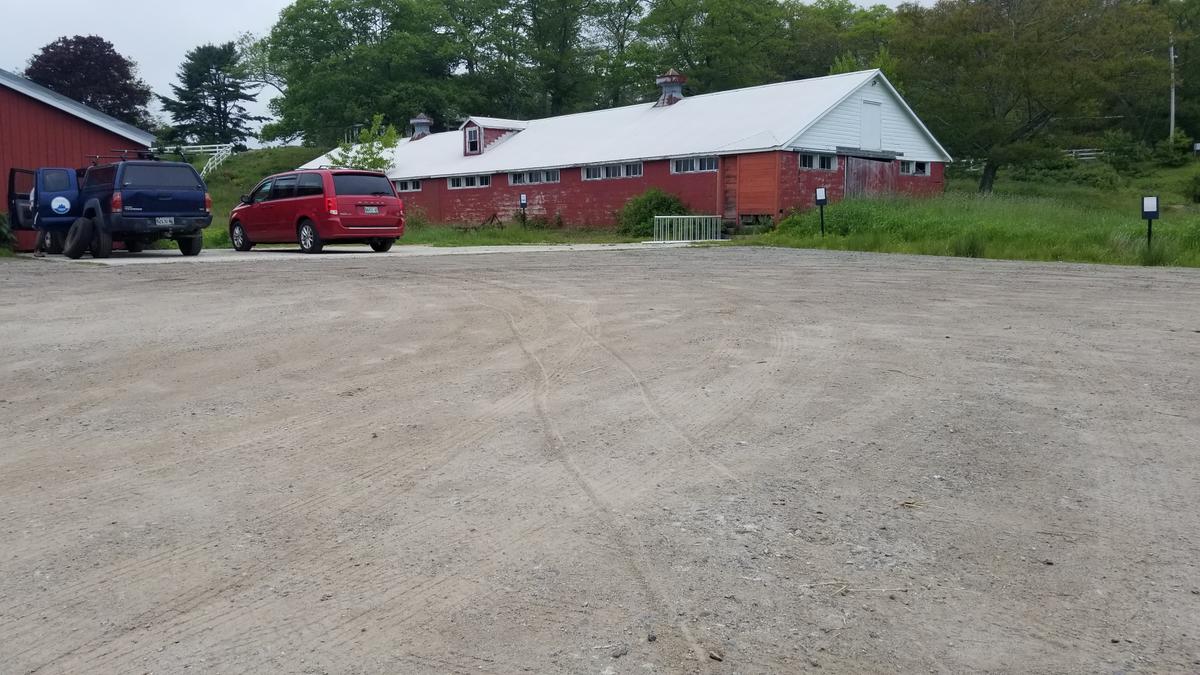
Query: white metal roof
(73, 107)
(729, 122)
(495, 123)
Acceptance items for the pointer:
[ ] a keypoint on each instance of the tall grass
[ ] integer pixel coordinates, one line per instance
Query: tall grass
(419, 232)
(1024, 227)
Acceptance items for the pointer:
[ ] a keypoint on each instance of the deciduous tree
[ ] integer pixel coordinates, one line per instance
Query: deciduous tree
(88, 69)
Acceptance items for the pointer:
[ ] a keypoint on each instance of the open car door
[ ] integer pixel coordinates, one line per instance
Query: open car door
(20, 209)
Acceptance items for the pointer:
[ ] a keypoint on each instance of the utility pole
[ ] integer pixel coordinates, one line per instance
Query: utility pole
(1172, 136)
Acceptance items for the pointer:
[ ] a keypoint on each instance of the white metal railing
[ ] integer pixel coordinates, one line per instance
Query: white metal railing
(687, 228)
(216, 160)
(1084, 154)
(219, 151)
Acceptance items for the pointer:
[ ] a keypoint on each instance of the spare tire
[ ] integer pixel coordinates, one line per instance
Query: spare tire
(79, 238)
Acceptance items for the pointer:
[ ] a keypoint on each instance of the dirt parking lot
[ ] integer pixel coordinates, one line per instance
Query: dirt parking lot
(667, 461)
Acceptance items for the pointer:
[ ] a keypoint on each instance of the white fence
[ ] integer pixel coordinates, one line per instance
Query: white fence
(1085, 154)
(687, 228)
(219, 151)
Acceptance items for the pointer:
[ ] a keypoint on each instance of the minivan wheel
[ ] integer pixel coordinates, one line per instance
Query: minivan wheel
(382, 245)
(101, 243)
(79, 238)
(237, 235)
(310, 240)
(191, 245)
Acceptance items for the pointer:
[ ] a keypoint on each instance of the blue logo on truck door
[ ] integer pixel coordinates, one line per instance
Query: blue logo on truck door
(60, 205)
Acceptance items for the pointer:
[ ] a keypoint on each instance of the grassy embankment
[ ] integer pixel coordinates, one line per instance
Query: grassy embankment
(1021, 220)
(240, 173)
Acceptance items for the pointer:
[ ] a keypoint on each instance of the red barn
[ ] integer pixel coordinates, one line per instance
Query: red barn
(41, 128)
(744, 154)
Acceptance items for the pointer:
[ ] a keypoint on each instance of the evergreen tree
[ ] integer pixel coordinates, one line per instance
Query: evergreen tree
(207, 107)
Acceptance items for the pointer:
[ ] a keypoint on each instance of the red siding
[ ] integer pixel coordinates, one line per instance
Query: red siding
(33, 134)
(769, 184)
(798, 186)
(580, 203)
(492, 135)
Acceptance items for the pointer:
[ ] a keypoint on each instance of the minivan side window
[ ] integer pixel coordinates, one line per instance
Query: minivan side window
(263, 191)
(310, 185)
(285, 187)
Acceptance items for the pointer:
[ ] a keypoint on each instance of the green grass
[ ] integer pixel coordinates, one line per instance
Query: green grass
(509, 234)
(1020, 221)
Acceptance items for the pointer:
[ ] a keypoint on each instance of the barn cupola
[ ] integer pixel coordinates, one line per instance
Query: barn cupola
(671, 83)
(422, 126)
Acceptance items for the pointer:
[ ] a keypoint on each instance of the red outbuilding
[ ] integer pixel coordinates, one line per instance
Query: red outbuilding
(39, 128)
(745, 154)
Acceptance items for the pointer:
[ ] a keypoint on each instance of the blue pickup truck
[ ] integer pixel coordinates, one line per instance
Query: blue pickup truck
(135, 202)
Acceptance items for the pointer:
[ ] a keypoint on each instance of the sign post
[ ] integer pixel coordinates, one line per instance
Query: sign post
(822, 200)
(1149, 214)
(524, 205)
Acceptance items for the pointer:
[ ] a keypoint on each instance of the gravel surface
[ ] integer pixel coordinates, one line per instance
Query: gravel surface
(676, 461)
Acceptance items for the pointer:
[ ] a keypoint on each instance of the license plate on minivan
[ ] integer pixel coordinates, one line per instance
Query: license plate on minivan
(164, 221)
(371, 210)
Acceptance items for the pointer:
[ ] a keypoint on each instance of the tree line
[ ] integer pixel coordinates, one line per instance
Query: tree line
(1000, 82)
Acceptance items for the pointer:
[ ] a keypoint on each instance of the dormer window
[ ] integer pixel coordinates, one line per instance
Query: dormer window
(472, 140)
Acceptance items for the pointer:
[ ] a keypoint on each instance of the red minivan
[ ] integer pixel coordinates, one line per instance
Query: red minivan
(319, 206)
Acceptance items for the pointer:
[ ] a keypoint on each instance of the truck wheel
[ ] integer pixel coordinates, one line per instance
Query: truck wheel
(382, 245)
(191, 245)
(310, 240)
(52, 243)
(101, 243)
(237, 235)
(79, 238)
(135, 246)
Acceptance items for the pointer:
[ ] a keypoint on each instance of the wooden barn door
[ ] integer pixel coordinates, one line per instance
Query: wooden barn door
(869, 177)
(729, 187)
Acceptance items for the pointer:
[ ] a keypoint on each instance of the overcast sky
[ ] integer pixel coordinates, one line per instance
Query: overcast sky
(155, 37)
(155, 34)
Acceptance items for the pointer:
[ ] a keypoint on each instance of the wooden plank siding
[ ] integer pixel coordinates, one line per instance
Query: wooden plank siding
(758, 184)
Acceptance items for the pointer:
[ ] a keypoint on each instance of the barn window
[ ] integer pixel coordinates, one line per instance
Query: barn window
(533, 177)
(908, 168)
(472, 140)
(633, 170)
(593, 172)
(694, 165)
(464, 182)
(613, 171)
(630, 170)
(408, 186)
(822, 162)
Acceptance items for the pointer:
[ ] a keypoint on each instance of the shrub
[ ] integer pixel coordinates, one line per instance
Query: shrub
(1124, 153)
(1066, 170)
(6, 236)
(1175, 151)
(636, 218)
(1191, 188)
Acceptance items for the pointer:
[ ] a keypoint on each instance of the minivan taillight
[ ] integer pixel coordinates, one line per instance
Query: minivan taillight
(118, 202)
(331, 206)
(401, 207)
(207, 203)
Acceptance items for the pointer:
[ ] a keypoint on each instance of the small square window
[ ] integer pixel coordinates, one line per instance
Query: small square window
(708, 163)
(920, 169)
(808, 161)
(827, 162)
(456, 182)
(516, 179)
(612, 171)
(593, 172)
(485, 181)
(633, 170)
(552, 176)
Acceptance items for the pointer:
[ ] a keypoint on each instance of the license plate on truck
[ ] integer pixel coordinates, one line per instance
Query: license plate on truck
(371, 210)
(164, 221)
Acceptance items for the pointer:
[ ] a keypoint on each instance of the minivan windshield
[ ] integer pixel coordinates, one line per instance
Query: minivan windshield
(348, 184)
(160, 175)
